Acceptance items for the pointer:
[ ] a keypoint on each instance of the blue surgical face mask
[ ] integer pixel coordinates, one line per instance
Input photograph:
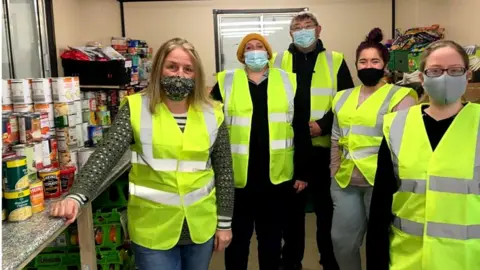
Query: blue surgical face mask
(304, 38)
(256, 60)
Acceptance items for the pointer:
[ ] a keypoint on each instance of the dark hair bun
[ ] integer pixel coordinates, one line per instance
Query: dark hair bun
(375, 36)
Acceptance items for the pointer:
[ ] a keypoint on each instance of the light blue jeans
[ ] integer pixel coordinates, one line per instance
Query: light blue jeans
(180, 257)
(351, 208)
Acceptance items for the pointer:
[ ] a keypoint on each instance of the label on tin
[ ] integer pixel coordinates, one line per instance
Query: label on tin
(68, 158)
(67, 138)
(51, 183)
(62, 89)
(80, 140)
(38, 155)
(46, 153)
(6, 92)
(19, 207)
(42, 90)
(78, 114)
(46, 108)
(23, 108)
(21, 91)
(36, 197)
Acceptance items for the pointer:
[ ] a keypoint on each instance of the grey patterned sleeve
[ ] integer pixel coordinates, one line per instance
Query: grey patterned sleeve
(109, 151)
(223, 169)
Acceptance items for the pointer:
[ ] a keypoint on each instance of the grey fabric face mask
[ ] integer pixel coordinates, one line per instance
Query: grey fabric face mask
(445, 89)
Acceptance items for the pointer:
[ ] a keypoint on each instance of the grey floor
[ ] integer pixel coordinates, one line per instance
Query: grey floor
(310, 261)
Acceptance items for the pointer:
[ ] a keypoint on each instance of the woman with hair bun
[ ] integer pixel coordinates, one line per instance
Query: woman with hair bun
(356, 137)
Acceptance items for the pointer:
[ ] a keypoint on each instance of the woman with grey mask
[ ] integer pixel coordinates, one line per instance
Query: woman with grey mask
(425, 209)
(181, 180)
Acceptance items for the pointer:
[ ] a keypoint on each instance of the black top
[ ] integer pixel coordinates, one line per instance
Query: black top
(259, 153)
(303, 66)
(386, 184)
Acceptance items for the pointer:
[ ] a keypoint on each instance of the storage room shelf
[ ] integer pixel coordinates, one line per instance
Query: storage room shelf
(24, 240)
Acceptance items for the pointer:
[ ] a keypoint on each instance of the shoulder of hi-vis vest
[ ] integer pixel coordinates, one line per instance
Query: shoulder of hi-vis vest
(238, 110)
(171, 178)
(285, 60)
(360, 128)
(436, 208)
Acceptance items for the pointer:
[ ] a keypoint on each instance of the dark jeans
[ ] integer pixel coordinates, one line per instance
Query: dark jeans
(262, 209)
(294, 231)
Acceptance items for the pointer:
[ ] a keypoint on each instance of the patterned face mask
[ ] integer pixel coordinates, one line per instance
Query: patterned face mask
(177, 88)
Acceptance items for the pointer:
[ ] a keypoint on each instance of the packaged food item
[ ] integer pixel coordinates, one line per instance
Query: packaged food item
(23, 108)
(89, 117)
(16, 173)
(122, 94)
(29, 128)
(21, 91)
(67, 175)
(6, 93)
(76, 89)
(78, 112)
(68, 158)
(46, 108)
(80, 140)
(65, 115)
(10, 133)
(67, 138)
(103, 118)
(51, 182)
(38, 154)
(28, 151)
(89, 104)
(19, 207)
(42, 90)
(7, 108)
(37, 197)
(95, 134)
(44, 125)
(62, 89)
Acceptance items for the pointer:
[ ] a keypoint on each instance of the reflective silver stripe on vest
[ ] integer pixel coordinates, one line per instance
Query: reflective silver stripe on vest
(278, 60)
(227, 87)
(413, 186)
(441, 230)
(375, 131)
(146, 158)
(168, 198)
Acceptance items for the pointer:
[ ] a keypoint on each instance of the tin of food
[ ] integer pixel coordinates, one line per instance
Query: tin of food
(29, 128)
(78, 112)
(16, 173)
(46, 158)
(42, 90)
(76, 88)
(23, 108)
(44, 125)
(4, 209)
(38, 155)
(67, 138)
(37, 197)
(67, 176)
(28, 151)
(9, 128)
(6, 92)
(80, 140)
(65, 114)
(101, 98)
(83, 155)
(62, 89)
(103, 118)
(95, 134)
(51, 182)
(68, 158)
(53, 148)
(19, 207)
(7, 108)
(112, 98)
(46, 108)
(21, 91)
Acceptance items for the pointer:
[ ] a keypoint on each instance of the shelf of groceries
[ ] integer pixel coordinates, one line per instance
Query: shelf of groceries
(22, 241)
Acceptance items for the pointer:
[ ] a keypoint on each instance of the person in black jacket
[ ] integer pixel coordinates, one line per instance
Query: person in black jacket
(260, 202)
(313, 64)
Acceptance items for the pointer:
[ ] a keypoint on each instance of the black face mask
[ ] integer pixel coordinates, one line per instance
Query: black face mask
(370, 76)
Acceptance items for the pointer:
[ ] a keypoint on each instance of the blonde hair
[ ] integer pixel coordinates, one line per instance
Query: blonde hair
(156, 93)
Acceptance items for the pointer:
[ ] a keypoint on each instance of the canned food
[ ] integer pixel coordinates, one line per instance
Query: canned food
(21, 91)
(6, 93)
(28, 151)
(9, 128)
(19, 207)
(37, 197)
(103, 118)
(89, 117)
(85, 133)
(95, 134)
(62, 89)
(90, 94)
(83, 155)
(4, 209)
(44, 125)
(38, 155)
(78, 110)
(67, 176)
(80, 140)
(68, 158)
(23, 108)
(112, 98)
(29, 128)
(51, 182)
(52, 148)
(7, 108)
(102, 108)
(67, 138)
(76, 89)
(122, 94)
(8, 155)
(46, 158)
(16, 173)
(46, 108)
(42, 90)
(65, 115)
(101, 98)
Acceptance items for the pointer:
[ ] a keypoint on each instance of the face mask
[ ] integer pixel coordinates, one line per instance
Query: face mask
(445, 89)
(256, 60)
(177, 88)
(370, 76)
(304, 38)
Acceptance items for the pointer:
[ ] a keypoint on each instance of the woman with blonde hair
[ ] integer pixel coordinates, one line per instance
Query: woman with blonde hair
(181, 180)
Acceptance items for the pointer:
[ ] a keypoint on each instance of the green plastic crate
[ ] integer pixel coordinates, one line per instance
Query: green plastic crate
(51, 260)
(115, 196)
(107, 229)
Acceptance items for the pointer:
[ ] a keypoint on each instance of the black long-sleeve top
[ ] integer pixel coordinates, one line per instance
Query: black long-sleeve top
(303, 66)
(259, 153)
(386, 184)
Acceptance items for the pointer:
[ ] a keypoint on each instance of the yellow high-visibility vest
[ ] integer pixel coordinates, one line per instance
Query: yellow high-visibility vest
(171, 178)
(323, 87)
(437, 207)
(361, 128)
(238, 112)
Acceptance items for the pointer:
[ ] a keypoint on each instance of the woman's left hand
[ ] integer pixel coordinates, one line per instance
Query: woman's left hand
(222, 239)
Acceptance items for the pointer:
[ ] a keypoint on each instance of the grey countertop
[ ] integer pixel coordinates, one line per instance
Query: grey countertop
(22, 241)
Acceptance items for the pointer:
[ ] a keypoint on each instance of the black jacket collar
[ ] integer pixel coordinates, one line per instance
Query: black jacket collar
(318, 49)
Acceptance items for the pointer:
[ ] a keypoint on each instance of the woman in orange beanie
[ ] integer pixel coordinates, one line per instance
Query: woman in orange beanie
(269, 164)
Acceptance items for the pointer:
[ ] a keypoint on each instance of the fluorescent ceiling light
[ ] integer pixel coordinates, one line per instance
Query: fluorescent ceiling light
(222, 24)
(238, 36)
(250, 29)
(246, 33)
